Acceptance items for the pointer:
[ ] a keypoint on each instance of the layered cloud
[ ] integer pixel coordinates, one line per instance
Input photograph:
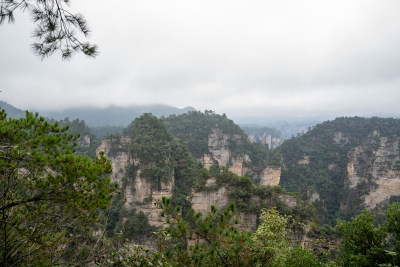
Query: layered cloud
(253, 58)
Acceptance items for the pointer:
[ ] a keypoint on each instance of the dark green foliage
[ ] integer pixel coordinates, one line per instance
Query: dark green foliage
(153, 145)
(362, 244)
(116, 144)
(393, 228)
(302, 257)
(137, 228)
(217, 241)
(214, 239)
(46, 190)
(161, 155)
(56, 27)
(102, 132)
(87, 142)
(323, 151)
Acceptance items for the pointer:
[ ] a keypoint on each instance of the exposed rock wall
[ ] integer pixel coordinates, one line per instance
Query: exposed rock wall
(219, 152)
(84, 141)
(375, 165)
(119, 160)
(271, 176)
(201, 201)
(152, 207)
(139, 194)
(218, 145)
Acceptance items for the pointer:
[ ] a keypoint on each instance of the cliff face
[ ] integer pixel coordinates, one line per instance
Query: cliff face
(117, 152)
(153, 163)
(141, 196)
(220, 152)
(139, 193)
(345, 165)
(374, 167)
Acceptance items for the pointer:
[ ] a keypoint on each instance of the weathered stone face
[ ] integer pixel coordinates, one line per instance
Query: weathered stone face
(118, 161)
(140, 196)
(138, 192)
(218, 145)
(271, 176)
(84, 141)
(373, 165)
(340, 139)
(201, 201)
(219, 152)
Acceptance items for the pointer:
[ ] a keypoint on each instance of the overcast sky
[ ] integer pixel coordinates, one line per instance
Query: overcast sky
(254, 58)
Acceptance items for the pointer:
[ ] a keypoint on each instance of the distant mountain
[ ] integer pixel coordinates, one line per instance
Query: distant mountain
(264, 135)
(287, 127)
(12, 112)
(113, 115)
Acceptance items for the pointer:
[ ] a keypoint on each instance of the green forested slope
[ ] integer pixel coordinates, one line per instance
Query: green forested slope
(195, 127)
(326, 146)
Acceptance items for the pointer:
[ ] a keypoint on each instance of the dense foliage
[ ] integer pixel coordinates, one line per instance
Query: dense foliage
(214, 239)
(46, 191)
(326, 147)
(161, 155)
(87, 141)
(57, 28)
(194, 128)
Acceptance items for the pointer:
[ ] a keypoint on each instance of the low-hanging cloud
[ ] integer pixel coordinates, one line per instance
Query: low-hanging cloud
(254, 58)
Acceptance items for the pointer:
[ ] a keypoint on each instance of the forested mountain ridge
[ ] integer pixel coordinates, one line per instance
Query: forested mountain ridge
(344, 165)
(150, 163)
(12, 112)
(201, 216)
(114, 115)
(215, 139)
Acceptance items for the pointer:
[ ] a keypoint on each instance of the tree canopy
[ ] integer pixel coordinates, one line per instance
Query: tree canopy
(57, 29)
(45, 189)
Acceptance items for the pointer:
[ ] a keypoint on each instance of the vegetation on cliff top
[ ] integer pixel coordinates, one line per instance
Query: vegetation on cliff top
(196, 127)
(326, 148)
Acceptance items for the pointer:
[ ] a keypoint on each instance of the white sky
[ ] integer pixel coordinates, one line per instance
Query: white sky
(254, 58)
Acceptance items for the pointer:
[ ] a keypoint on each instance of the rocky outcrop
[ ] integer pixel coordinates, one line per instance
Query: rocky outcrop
(266, 139)
(220, 153)
(208, 161)
(84, 141)
(117, 153)
(151, 200)
(289, 200)
(138, 192)
(141, 196)
(314, 197)
(340, 139)
(270, 176)
(218, 146)
(375, 165)
(201, 201)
